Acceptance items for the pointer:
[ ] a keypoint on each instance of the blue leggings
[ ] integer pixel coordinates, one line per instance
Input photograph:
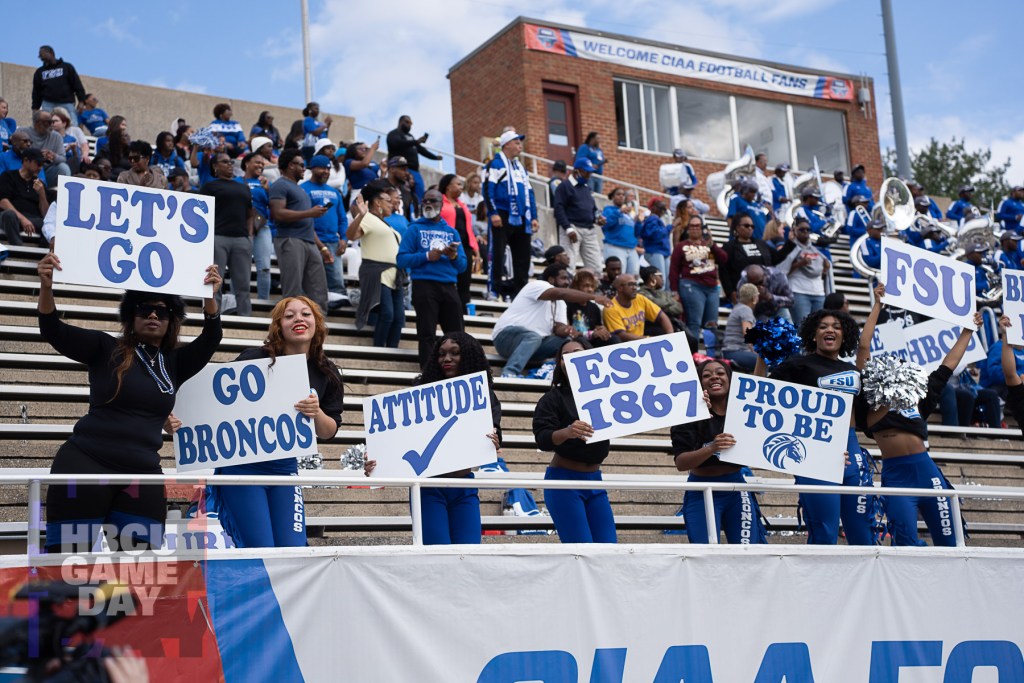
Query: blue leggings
(450, 516)
(736, 512)
(263, 516)
(822, 511)
(580, 515)
(920, 472)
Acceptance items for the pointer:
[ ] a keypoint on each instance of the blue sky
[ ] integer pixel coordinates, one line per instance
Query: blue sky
(376, 60)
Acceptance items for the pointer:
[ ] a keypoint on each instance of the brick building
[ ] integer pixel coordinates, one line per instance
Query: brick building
(557, 83)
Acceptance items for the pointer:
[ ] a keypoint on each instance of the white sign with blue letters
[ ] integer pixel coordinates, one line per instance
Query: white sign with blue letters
(243, 412)
(930, 284)
(787, 427)
(130, 237)
(925, 343)
(636, 387)
(431, 429)
(1013, 305)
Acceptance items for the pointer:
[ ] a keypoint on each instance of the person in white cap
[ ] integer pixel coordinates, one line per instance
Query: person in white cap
(324, 147)
(265, 148)
(512, 213)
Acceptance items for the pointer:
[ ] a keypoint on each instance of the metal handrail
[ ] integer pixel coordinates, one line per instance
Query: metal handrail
(34, 483)
(533, 173)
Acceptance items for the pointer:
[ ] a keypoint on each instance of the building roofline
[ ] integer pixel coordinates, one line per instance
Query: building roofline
(643, 41)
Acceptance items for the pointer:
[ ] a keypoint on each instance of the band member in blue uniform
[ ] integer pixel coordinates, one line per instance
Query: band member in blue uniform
(696, 447)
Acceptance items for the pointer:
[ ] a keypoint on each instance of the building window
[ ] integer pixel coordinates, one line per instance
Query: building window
(820, 133)
(705, 124)
(763, 125)
(702, 123)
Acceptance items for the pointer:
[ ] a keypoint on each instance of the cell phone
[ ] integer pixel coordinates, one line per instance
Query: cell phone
(426, 135)
(378, 138)
(329, 204)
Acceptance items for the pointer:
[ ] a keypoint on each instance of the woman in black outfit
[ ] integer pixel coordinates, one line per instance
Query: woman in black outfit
(743, 251)
(132, 383)
(580, 515)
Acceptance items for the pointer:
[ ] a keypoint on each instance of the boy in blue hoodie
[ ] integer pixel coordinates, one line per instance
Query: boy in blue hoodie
(432, 253)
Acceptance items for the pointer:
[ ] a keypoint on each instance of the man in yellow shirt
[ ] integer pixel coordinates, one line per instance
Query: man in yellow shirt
(630, 310)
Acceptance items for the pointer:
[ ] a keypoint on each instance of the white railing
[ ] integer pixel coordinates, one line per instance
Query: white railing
(415, 486)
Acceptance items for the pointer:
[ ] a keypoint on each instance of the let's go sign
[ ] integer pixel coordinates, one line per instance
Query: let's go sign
(636, 387)
(787, 427)
(431, 429)
(243, 412)
(936, 286)
(130, 237)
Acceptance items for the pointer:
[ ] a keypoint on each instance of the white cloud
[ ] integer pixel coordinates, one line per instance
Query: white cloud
(119, 30)
(1004, 144)
(187, 86)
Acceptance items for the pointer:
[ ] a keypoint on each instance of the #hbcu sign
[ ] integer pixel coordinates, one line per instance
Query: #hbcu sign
(431, 429)
(130, 237)
(675, 62)
(787, 427)
(243, 412)
(636, 387)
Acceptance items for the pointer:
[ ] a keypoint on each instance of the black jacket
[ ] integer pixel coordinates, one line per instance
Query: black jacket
(557, 410)
(56, 83)
(401, 144)
(574, 204)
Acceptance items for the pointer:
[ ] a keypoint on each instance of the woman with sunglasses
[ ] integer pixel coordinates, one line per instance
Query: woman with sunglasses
(133, 379)
(693, 268)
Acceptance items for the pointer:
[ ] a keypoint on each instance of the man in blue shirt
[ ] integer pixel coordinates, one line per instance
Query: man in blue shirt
(92, 118)
(962, 205)
(512, 212)
(331, 226)
(857, 221)
(782, 192)
(745, 201)
(858, 185)
(975, 255)
(300, 254)
(871, 248)
(576, 218)
(1011, 209)
(1011, 257)
(917, 191)
(810, 208)
(433, 254)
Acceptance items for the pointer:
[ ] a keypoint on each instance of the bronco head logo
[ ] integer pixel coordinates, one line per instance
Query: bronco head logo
(778, 448)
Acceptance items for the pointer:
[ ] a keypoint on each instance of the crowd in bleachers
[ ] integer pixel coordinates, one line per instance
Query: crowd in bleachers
(335, 213)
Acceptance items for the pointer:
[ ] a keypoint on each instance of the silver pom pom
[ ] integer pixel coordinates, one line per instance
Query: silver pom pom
(354, 458)
(889, 380)
(311, 462)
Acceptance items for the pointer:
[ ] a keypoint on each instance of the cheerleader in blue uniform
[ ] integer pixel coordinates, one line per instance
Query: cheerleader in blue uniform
(902, 437)
(580, 515)
(696, 447)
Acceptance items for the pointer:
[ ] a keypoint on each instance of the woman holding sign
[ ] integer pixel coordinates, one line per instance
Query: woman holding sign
(132, 384)
(902, 437)
(274, 516)
(452, 515)
(580, 515)
(1014, 382)
(696, 446)
(827, 337)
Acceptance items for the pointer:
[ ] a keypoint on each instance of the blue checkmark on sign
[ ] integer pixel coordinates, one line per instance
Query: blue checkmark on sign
(421, 461)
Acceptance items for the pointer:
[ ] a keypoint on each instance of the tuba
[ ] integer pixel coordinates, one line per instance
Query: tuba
(803, 180)
(719, 184)
(896, 208)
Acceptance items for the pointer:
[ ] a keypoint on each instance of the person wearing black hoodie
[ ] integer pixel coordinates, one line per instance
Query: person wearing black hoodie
(55, 83)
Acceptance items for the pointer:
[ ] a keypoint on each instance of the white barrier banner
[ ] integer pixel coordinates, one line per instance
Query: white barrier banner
(243, 412)
(1013, 305)
(787, 427)
(586, 615)
(926, 343)
(930, 284)
(636, 387)
(131, 237)
(431, 429)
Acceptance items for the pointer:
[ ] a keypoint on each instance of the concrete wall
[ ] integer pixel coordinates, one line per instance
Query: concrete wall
(150, 110)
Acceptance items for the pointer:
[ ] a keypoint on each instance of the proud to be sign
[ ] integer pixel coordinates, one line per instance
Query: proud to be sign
(936, 286)
(130, 237)
(243, 412)
(636, 387)
(431, 429)
(787, 427)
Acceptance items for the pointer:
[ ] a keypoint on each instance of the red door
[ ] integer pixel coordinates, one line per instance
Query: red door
(562, 129)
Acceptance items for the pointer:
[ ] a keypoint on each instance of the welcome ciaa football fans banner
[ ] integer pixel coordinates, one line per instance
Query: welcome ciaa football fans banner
(555, 614)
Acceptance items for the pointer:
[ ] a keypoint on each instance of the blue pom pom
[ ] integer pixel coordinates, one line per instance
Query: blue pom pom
(774, 340)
